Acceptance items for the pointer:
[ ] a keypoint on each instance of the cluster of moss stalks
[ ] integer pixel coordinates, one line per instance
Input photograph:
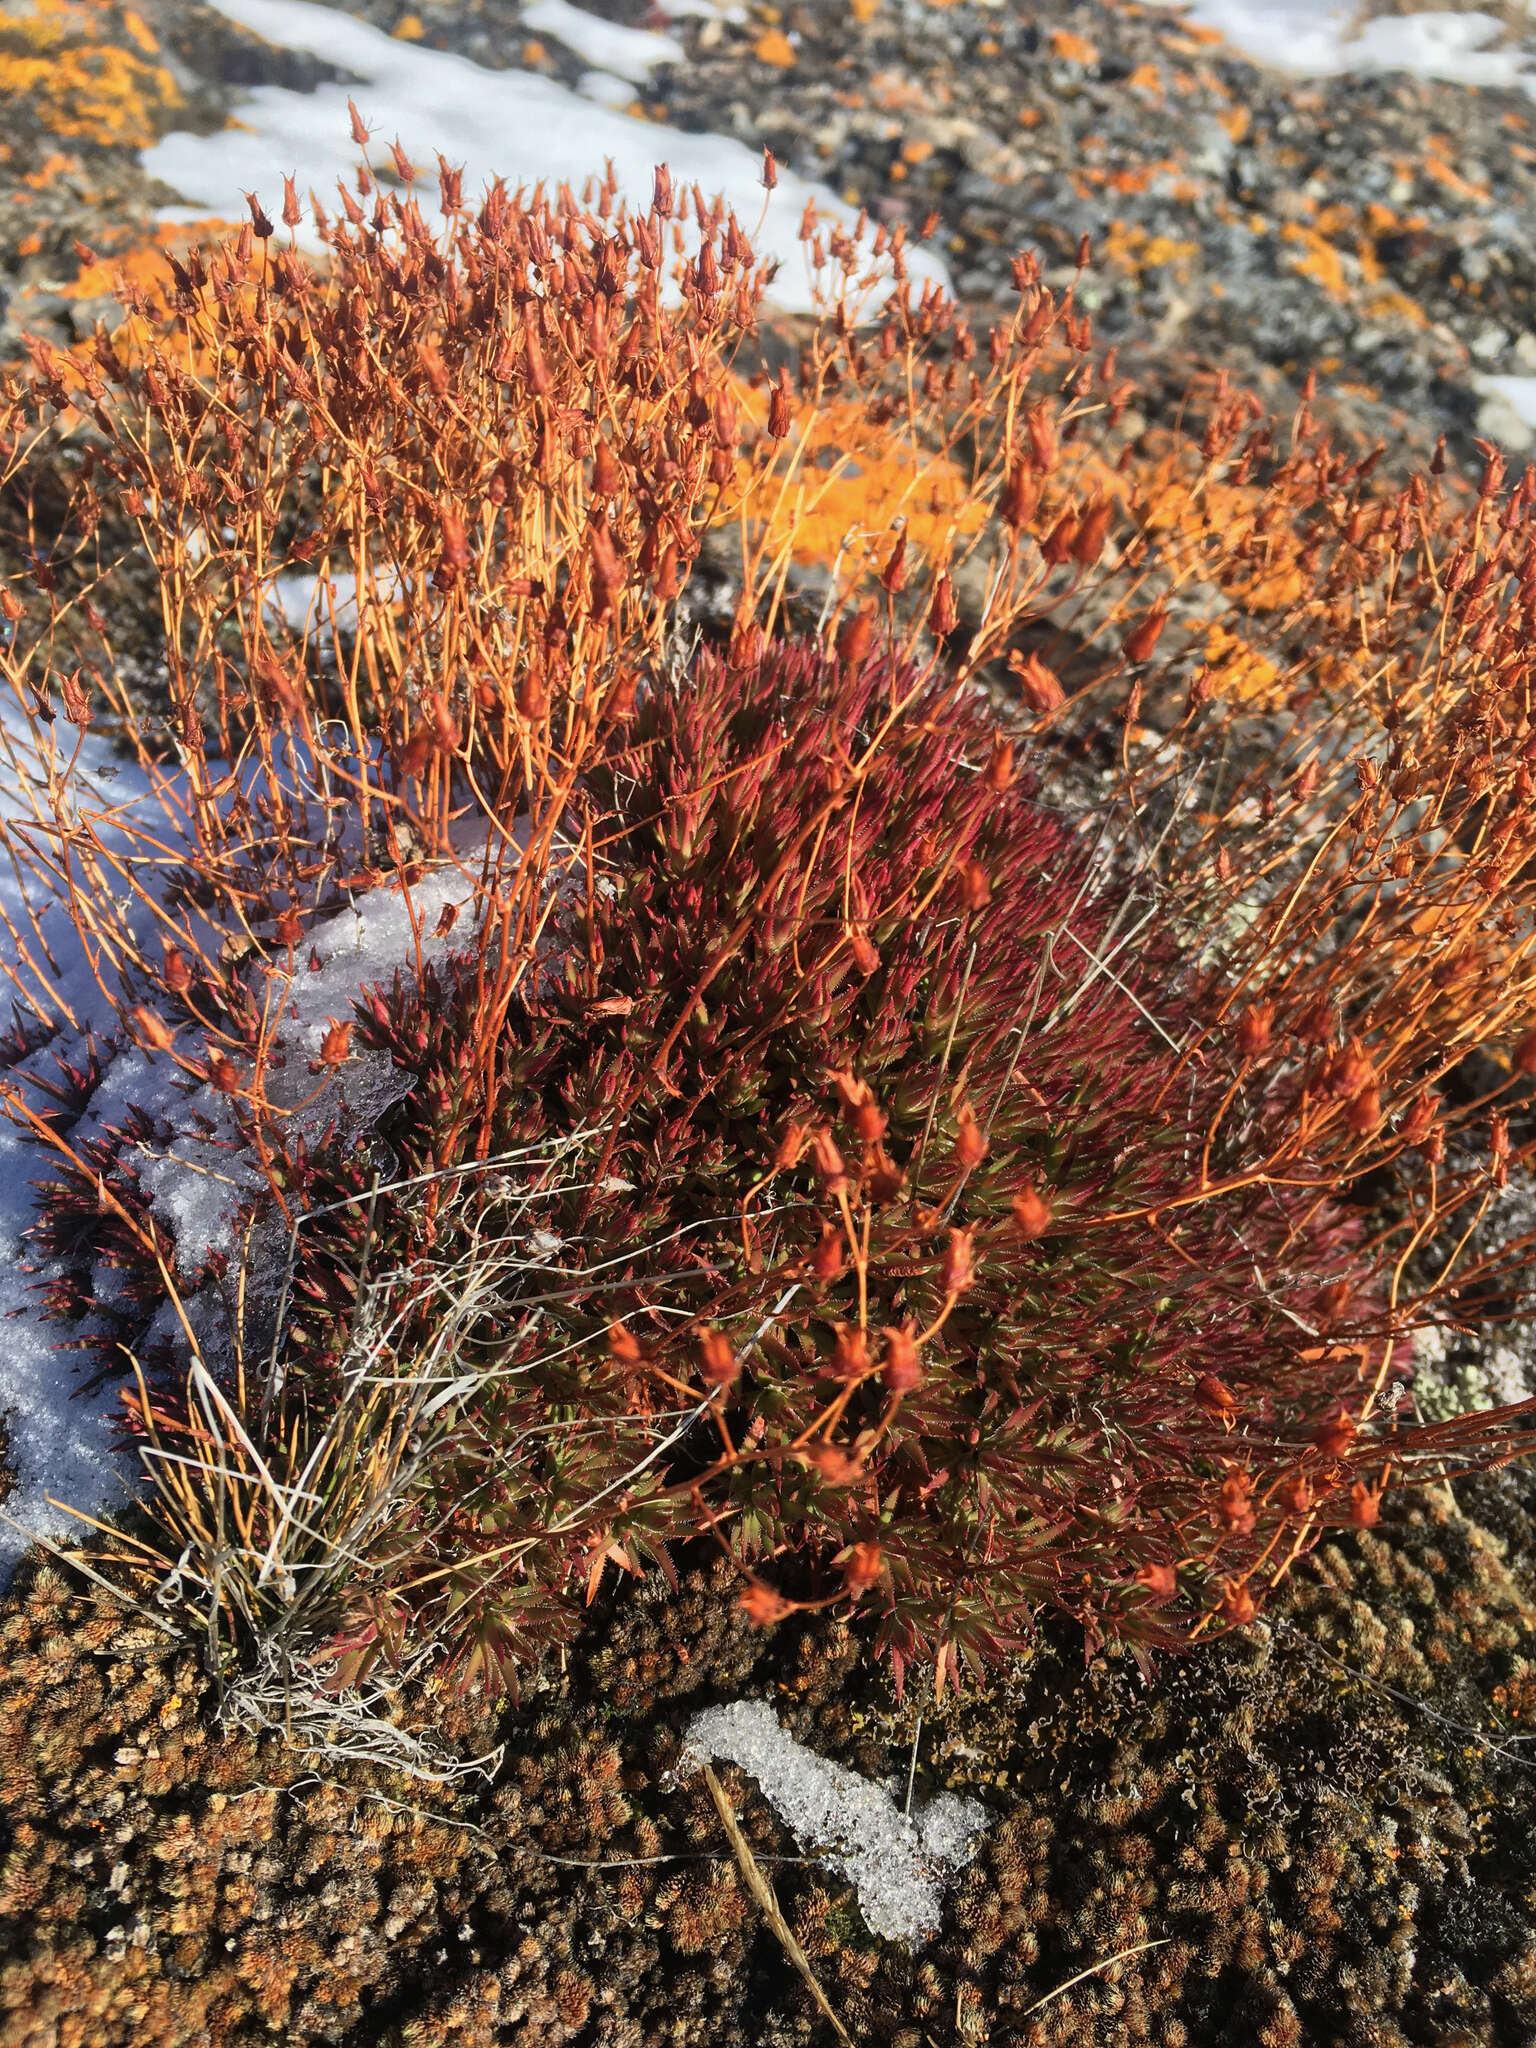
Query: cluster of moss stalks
(1320, 1859)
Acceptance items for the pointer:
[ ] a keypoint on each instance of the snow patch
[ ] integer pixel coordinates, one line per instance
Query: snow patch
(59, 1444)
(899, 1863)
(1518, 393)
(196, 1169)
(631, 53)
(1311, 38)
(514, 124)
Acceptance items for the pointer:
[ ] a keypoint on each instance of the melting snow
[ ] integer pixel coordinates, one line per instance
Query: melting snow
(1313, 38)
(197, 1182)
(513, 124)
(1518, 393)
(899, 1863)
(629, 53)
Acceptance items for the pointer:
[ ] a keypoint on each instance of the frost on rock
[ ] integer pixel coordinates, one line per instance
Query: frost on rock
(899, 1863)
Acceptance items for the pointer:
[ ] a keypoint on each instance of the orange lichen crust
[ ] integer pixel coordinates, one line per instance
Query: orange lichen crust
(86, 70)
(852, 487)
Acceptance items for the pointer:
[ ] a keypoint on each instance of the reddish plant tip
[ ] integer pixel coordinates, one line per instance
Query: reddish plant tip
(1044, 449)
(902, 1368)
(1364, 1505)
(1092, 533)
(861, 1565)
(222, 1073)
(957, 1270)
(1238, 1606)
(1334, 1437)
(970, 1140)
(261, 226)
(1349, 1072)
(1315, 1024)
(866, 955)
(1000, 771)
(1031, 1213)
(870, 1121)
(1020, 498)
(1215, 1397)
(176, 970)
(852, 1092)
(832, 1464)
(1294, 1493)
(1160, 1580)
(1254, 1030)
(1039, 686)
(831, 1169)
(893, 576)
(151, 1029)
(885, 1180)
(786, 1153)
(830, 1255)
(1143, 637)
(1364, 1114)
(943, 614)
(850, 1354)
(1234, 1504)
(718, 1363)
(762, 1605)
(624, 1345)
(1523, 1059)
(1335, 1300)
(855, 637)
(77, 704)
(336, 1043)
(975, 885)
(1419, 1124)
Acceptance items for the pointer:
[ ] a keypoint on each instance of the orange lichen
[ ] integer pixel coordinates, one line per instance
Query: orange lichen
(852, 488)
(1073, 49)
(1445, 173)
(1320, 260)
(64, 60)
(774, 47)
(144, 262)
(55, 166)
(1238, 670)
(1132, 248)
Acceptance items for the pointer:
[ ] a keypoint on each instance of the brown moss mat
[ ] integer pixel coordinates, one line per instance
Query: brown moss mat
(1322, 1862)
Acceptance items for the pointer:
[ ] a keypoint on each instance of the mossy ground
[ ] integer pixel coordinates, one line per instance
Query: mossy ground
(1321, 1861)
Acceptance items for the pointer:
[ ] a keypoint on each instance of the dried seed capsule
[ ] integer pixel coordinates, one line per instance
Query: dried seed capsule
(902, 1369)
(957, 1265)
(718, 1363)
(970, 1140)
(1215, 1397)
(861, 1567)
(1238, 1605)
(1031, 1213)
(1160, 1580)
